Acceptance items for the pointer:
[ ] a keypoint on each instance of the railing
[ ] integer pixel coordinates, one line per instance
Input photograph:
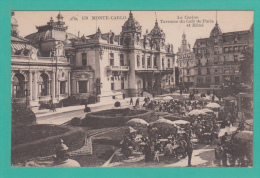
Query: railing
(119, 68)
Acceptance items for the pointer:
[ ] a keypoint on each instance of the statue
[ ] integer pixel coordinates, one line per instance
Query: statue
(62, 158)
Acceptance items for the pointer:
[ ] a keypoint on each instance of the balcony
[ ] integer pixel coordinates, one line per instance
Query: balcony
(88, 68)
(118, 68)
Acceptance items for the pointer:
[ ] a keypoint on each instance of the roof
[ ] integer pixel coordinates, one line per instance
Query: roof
(50, 34)
(20, 48)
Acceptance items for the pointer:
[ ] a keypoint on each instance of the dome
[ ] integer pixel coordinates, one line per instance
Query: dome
(216, 31)
(131, 24)
(157, 32)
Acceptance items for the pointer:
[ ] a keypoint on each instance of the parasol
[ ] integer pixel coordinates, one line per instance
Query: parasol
(179, 122)
(136, 122)
(207, 110)
(167, 98)
(229, 98)
(164, 123)
(245, 135)
(203, 99)
(196, 112)
(213, 105)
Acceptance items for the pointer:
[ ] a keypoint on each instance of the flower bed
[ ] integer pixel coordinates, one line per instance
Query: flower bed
(43, 140)
(116, 117)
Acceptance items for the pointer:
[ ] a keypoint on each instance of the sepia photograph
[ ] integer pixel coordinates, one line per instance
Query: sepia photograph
(132, 88)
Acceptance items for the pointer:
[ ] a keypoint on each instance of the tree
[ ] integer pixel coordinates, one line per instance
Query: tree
(247, 65)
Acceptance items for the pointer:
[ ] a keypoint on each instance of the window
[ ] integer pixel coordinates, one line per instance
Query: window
(154, 61)
(231, 49)
(188, 71)
(216, 60)
(122, 83)
(208, 80)
(225, 58)
(199, 71)
(112, 83)
(172, 79)
(235, 58)
(187, 63)
(111, 59)
(43, 84)
(241, 48)
(143, 61)
(62, 87)
(199, 51)
(236, 49)
(217, 80)
(84, 59)
(208, 71)
(163, 63)
(199, 63)
(199, 80)
(138, 60)
(122, 60)
(216, 50)
(226, 50)
(83, 86)
(169, 63)
(148, 61)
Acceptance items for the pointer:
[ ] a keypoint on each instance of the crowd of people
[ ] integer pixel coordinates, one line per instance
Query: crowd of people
(178, 142)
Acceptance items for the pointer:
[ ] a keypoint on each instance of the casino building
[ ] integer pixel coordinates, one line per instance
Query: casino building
(54, 64)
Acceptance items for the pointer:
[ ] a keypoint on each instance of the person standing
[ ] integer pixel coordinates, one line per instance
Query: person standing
(189, 152)
(131, 101)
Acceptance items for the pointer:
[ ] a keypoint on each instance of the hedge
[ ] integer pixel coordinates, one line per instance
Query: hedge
(103, 119)
(74, 139)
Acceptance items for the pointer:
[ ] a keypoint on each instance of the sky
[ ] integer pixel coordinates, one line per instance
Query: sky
(169, 21)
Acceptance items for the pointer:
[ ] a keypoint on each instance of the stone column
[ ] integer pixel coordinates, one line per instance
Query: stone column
(57, 85)
(49, 87)
(30, 85)
(53, 85)
(69, 85)
(35, 83)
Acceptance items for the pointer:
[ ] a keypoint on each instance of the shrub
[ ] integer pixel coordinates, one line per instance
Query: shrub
(21, 114)
(87, 109)
(117, 104)
(76, 121)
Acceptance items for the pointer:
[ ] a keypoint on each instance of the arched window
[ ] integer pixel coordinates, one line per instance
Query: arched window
(169, 63)
(143, 61)
(43, 79)
(18, 85)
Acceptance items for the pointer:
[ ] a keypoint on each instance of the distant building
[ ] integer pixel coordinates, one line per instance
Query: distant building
(186, 62)
(218, 57)
(52, 64)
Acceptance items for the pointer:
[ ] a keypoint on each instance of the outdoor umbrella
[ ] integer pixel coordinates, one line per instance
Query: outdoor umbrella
(136, 122)
(179, 122)
(167, 98)
(203, 99)
(196, 112)
(163, 123)
(207, 110)
(229, 98)
(245, 135)
(213, 105)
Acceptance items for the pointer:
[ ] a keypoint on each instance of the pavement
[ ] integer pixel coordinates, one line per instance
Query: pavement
(65, 114)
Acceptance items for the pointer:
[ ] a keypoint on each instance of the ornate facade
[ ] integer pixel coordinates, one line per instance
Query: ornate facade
(52, 63)
(218, 57)
(185, 62)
